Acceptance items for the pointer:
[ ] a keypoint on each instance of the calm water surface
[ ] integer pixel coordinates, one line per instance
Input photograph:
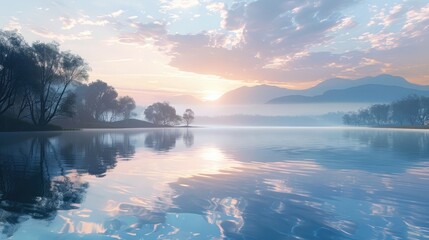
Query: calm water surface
(249, 183)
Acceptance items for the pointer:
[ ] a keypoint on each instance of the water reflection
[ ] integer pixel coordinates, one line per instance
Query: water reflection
(164, 140)
(402, 142)
(222, 183)
(188, 138)
(95, 152)
(41, 175)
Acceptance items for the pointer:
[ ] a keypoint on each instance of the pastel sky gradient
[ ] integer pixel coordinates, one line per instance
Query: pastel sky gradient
(155, 49)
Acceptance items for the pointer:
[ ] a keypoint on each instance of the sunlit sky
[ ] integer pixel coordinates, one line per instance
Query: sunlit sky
(152, 50)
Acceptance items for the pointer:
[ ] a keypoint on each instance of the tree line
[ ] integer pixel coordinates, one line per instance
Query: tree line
(409, 111)
(40, 83)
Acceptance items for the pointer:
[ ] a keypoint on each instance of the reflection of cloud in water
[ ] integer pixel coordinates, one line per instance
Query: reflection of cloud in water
(256, 208)
(334, 185)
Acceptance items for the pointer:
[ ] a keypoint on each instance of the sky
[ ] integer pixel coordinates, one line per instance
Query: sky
(152, 50)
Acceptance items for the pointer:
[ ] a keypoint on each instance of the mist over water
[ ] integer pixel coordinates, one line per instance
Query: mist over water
(272, 109)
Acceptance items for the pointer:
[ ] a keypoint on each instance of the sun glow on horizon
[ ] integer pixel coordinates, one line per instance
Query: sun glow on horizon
(212, 96)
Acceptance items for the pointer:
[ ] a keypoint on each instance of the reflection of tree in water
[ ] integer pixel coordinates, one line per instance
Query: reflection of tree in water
(188, 138)
(98, 151)
(34, 184)
(401, 142)
(162, 140)
(38, 177)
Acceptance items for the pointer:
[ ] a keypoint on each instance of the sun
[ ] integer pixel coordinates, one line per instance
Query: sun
(212, 96)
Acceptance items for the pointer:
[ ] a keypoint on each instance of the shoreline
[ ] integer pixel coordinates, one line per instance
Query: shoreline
(54, 128)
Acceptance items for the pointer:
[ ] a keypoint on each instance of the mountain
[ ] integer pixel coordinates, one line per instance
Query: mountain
(371, 93)
(342, 83)
(254, 95)
(264, 93)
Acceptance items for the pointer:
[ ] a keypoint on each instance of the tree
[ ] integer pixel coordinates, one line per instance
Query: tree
(125, 107)
(364, 117)
(380, 113)
(55, 72)
(188, 117)
(97, 100)
(424, 110)
(406, 110)
(347, 119)
(16, 67)
(162, 114)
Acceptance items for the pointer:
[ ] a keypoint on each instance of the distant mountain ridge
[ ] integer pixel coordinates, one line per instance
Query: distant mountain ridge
(371, 93)
(254, 95)
(264, 93)
(342, 83)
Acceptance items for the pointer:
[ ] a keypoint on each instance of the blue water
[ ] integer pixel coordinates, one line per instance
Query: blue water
(215, 183)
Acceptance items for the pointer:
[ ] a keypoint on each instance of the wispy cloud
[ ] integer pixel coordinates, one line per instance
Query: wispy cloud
(67, 23)
(417, 21)
(61, 37)
(281, 41)
(13, 25)
(179, 4)
(274, 41)
(116, 13)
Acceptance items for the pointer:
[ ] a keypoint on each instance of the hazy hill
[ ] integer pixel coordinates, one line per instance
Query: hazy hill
(341, 83)
(371, 93)
(254, 95)
(264, 93)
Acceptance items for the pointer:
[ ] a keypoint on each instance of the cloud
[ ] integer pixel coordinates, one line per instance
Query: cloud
(116, 13)
(417, 21)
(152, 34)
(179, 4)
(68, 23)
(275, 41)
(61, 37)
(98, 22)
(381, 41)
(260, 39)
(13, 25)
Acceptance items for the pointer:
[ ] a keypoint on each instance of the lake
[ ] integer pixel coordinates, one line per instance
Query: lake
(215, 183)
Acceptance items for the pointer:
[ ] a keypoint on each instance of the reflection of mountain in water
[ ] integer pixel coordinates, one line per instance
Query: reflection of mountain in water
(38, 177)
